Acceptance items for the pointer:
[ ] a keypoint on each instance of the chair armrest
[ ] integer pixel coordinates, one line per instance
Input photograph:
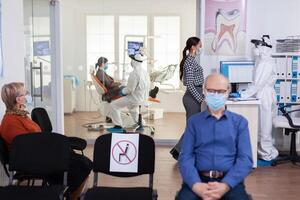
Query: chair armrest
(287, 115)
(290, 120)
(77, 143)
(282, 108)
(291, 111)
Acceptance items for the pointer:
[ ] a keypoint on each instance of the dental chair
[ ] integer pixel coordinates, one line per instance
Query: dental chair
(104, 106)
(163, 75)
(100, 88)
(140, 126)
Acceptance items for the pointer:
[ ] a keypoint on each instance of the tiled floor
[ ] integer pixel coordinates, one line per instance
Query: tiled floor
(169, 128)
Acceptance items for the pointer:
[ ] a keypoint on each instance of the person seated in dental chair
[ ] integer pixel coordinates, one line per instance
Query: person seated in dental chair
(113, 87)
(134, 94)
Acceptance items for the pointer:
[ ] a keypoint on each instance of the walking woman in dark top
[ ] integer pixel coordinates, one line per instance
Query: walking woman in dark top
(191, 74)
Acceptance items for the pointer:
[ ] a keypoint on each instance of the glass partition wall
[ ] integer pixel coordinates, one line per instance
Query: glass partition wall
(100, 28)
(41, 61)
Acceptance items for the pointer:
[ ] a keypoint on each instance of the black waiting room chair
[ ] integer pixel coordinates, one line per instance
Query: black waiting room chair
(4, 158)
(291, 126)
(40, 155)
(4, 155)
(101, 164)
(41, 117)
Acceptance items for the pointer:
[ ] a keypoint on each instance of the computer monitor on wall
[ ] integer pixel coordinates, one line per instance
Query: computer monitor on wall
(237, 72)
(134, 47)
(41, 48)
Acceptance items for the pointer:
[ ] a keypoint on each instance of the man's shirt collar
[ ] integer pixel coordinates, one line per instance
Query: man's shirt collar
(207, 114)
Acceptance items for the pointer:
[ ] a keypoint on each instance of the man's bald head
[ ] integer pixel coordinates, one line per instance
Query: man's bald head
(216, 82)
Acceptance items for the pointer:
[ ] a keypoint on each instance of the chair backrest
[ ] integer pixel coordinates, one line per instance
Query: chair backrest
(39, 154)
(41, 117)
(101, 89)
(146, 152)
(3, 154)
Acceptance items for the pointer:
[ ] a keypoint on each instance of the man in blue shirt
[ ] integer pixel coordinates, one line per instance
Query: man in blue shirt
(216, 152)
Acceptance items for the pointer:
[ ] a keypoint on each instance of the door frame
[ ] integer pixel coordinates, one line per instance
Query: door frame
(56, 68)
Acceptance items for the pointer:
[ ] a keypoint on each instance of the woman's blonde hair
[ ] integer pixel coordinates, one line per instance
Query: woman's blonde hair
(10, 92)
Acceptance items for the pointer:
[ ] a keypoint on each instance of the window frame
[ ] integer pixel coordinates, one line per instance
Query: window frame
(150, 42)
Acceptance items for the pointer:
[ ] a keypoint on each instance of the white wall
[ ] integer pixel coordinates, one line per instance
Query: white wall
(74, 31)
(13, 44)
(277, 18)
(13, 49)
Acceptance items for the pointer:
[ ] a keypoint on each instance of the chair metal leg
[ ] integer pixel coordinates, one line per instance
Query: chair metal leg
(140, 121)
(293, 144)
(152, 130)
(140, 124)
(281, 160)
(293, 156)
(154, 195)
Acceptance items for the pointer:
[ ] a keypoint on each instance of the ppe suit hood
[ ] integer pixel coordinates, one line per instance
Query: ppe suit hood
(137, 60)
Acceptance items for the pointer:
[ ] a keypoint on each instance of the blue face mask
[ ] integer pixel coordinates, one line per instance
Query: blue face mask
(199, 52)
(28, 99)
(105, 67)
(215, 101)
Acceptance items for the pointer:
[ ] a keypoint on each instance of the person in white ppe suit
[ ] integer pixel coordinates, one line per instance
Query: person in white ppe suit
(263, 88)
(134, 94)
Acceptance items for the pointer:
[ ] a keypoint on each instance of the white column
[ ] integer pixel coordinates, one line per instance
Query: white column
(56, 70)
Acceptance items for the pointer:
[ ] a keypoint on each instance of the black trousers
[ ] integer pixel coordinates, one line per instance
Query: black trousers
(192, 106)
(79, 169)
(236, 193)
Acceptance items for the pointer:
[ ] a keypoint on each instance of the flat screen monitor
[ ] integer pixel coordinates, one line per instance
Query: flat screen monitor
(238, 71)
(134, 47)
(41, 48)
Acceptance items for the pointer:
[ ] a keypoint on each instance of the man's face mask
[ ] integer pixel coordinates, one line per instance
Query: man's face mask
(215, 101)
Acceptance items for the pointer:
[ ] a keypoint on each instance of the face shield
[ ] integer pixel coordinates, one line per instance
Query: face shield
(137, 59)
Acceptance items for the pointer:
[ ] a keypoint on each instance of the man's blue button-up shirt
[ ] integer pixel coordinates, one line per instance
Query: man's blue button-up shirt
(216, 144)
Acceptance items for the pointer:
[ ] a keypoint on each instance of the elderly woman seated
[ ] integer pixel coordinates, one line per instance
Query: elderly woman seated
(16, 122)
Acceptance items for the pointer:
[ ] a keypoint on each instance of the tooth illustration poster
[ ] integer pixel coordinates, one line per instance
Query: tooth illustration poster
(225, 27)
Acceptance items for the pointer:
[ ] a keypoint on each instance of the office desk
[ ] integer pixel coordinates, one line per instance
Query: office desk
(250, 110)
